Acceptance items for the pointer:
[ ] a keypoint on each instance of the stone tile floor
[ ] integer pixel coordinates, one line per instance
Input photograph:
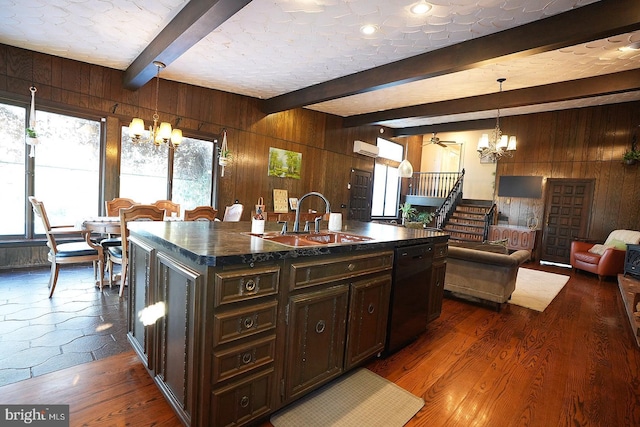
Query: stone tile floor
(78, 324)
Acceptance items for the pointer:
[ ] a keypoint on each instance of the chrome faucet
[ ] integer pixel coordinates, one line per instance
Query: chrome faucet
(296, 224)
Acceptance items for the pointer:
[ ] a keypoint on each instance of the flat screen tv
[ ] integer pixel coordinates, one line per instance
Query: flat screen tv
(529, 187)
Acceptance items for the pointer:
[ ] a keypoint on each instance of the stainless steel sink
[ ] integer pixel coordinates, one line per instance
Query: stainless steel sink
(314, 239)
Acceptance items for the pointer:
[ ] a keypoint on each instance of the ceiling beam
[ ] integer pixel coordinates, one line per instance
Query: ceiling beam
(445, 127)
(194, 22)
(591, 22)
(606, 84)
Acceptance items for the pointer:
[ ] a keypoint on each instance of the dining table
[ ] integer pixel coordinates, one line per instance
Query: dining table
(104, 225)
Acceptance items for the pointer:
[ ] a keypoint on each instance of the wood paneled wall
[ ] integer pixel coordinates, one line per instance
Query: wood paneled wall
(585, 143)
(326, 147)
(579, 143)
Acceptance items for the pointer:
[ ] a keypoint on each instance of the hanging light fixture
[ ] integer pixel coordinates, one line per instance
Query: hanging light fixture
(498, 145)
(158, 133)
(405, 170)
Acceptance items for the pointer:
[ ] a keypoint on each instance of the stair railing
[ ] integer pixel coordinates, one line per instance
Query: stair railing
(444, 212)
(488, 221)
(433, 184)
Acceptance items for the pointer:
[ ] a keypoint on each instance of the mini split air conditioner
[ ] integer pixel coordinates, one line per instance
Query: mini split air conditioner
(365, 149)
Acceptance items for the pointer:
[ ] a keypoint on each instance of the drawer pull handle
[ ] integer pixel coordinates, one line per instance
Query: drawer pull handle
(244, 402)
(320, 327)
(250, 286)
(351, 267)
(246, 358)
(371, 308)
(248, 322)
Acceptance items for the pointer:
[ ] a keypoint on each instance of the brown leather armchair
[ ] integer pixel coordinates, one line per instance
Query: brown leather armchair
(603, 259)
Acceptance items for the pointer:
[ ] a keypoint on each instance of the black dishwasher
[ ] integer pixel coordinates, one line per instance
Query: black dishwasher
(409, 295)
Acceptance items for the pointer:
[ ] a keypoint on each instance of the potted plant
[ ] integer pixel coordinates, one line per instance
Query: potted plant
(32, 140)
(631, 157)
(225, 156)
(408, 212)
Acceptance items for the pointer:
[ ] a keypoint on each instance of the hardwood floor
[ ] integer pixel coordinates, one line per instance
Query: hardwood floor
(574, 364)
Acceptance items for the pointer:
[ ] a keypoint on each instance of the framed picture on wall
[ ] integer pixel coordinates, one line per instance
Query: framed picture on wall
(284, 163)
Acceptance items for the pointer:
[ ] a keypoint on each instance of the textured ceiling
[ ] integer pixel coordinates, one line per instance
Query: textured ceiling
(273, 47)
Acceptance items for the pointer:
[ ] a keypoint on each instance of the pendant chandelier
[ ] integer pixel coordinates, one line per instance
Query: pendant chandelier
(159, 133)
(497, 145)
(405, 169)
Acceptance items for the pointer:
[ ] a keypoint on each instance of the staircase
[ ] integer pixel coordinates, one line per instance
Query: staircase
(470, 221)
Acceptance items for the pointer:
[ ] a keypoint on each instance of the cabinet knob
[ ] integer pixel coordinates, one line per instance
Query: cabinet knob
(250, 286)
(371, 308)
(246, 358)
(351, 267)
(248, 322)
(320, 327)
(244, 402)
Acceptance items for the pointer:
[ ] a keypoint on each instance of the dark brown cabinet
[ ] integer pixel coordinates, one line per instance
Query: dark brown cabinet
(232, 343)
(179, 288)
(315, 338)
(368, 312)
(141, 275)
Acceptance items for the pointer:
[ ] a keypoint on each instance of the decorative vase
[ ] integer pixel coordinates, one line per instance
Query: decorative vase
(630, 162)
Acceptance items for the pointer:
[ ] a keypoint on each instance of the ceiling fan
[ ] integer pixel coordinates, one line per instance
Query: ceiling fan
(438, 141)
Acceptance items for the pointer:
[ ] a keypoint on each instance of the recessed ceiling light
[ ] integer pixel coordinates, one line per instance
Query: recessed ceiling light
(368, 29)
(420, 8)
(632, 46)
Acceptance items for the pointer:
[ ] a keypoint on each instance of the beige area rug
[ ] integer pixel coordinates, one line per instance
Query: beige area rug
(358, 399)
(536, 289)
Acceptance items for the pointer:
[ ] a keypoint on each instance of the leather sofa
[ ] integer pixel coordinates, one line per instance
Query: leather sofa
(483, 275)
(605, 259)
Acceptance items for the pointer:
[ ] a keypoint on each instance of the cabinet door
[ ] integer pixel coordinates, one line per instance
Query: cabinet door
(180, 288)
(436, 290)
(141, 257)
(368, 313)
(316, 339)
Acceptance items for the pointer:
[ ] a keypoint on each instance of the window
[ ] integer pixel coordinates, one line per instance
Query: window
(64, 173)
(386, 183)
(67, 168)
(192, 173)
(144, 171)
(12, 169)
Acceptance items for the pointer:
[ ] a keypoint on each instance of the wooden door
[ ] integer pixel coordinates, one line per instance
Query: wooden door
(368, 314)
(360, 201)
(567, 215)
(317, 329)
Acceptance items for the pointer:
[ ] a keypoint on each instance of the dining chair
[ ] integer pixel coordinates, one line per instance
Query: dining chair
(233, 213)
(200, 212)
(168, 207)
(119, 254)
(67, 253)
(113, 206)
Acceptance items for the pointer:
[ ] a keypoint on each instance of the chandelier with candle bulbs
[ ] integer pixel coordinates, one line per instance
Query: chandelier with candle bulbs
(159, 133)
(493, 147)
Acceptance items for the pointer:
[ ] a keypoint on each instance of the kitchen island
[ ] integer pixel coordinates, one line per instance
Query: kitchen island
(233, 326)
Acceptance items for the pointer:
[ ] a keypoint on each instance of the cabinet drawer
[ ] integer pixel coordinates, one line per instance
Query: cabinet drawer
(243, 401)
(245, 284)
(232, 325)
(227, 364)
(310, 273)
(440, 250)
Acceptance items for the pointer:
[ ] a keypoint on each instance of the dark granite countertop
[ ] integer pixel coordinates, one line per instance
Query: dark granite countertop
(228, 243)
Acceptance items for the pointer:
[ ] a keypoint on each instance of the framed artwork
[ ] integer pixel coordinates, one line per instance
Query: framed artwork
(284, 163)
(293, 203)
(280, 201)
